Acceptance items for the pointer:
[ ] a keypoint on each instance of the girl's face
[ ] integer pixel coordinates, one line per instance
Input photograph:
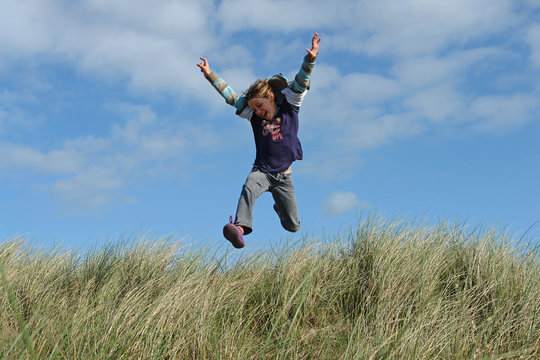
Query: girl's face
(263, 107)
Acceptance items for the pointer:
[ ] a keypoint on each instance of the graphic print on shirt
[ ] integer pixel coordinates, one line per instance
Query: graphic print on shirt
(272, 127)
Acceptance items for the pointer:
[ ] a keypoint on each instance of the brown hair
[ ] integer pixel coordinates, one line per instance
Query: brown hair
(263, 88)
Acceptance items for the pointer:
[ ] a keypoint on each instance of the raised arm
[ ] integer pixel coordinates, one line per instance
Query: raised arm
(301, 80)
(221, 86)
(297, 89)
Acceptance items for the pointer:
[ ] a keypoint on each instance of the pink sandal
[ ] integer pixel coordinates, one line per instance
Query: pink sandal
(234, 234)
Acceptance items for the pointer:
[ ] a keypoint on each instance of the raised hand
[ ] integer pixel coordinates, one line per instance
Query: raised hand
(205, 68)
(314, 46)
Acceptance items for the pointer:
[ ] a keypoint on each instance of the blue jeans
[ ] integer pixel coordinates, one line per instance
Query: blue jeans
(282, 189)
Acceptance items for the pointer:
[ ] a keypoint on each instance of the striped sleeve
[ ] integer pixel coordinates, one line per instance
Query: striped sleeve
(301, 80)
(297, 89)
(226, 91)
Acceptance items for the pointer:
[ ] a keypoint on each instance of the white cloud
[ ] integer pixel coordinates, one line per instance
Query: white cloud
(350, 113)
(361, 88)
(416, 27)
(533, 38)
(276, 15)
(170, 18)
(3, 116)
(91, 188)
(29, 27)
(533, 3)
(341, 202)
(64, 161)
(430, 70)
(90, 171)
(502, 113)
(153, 45)
(397, 27)
(436, 104)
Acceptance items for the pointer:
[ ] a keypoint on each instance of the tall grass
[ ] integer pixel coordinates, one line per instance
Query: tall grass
(385, 290)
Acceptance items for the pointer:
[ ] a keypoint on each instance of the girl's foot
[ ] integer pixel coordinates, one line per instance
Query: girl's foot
(234, 234)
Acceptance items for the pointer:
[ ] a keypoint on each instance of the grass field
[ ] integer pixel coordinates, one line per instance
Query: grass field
(388, 289)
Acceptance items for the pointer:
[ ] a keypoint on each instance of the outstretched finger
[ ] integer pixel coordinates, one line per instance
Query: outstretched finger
(316, 39)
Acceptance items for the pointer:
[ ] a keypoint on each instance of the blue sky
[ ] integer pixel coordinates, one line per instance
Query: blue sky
(417, 109)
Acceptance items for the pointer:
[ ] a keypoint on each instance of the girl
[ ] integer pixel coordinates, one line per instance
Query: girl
(272, 108)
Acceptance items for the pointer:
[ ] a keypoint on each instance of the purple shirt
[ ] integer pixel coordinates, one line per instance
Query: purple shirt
(276, 140)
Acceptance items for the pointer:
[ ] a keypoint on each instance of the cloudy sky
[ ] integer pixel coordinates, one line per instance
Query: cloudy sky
(417, 109)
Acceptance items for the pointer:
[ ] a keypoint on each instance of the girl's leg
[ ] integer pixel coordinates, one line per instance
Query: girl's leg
(256, 184)
(285, 198)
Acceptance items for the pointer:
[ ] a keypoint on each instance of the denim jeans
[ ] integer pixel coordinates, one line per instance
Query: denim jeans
(282, 189)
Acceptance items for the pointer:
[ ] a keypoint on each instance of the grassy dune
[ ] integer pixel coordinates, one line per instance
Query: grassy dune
(386, 290)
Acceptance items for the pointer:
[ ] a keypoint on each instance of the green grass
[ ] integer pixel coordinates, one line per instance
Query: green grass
(385, 290)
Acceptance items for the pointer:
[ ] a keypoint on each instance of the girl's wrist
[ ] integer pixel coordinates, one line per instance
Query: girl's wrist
(211, 76)
(310, 58)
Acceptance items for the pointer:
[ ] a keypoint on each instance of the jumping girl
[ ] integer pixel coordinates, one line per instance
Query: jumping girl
(271, 106)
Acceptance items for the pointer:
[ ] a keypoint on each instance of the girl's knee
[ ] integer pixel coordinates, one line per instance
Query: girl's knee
(291, 226)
